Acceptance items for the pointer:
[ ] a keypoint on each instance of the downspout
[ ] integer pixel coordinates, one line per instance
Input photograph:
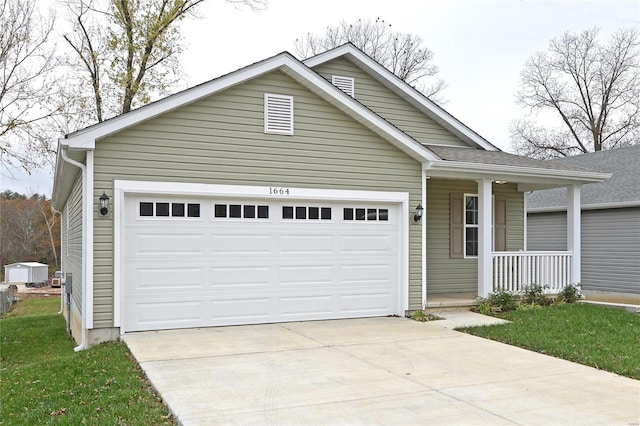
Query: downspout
(83, 342)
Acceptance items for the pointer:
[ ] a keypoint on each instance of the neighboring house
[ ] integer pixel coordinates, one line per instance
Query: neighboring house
(287, 191)
(610, 224)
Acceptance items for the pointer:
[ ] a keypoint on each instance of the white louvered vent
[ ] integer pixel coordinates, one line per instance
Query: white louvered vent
(346, 84)
(278, 114)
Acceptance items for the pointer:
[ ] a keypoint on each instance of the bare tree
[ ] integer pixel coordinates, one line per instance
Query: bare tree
(26, 62)
(128, 49)
(403, 54)
(592, 89)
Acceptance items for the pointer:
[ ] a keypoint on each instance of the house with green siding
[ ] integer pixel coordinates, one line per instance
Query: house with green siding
(294, 190)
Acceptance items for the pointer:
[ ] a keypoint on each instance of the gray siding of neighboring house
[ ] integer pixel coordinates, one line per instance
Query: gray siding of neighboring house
(448, 275)
(221, 140)
(547, 231)
(71, 240)
(610, 246)
(389, 105)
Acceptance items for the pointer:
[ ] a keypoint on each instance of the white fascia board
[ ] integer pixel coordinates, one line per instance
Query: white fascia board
(523, 174)
(404, 90)
(602, 206)
(85, 139)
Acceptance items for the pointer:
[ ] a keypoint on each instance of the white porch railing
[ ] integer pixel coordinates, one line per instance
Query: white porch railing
(515, 270)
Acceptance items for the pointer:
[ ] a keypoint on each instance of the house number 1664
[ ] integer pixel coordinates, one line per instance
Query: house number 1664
(278, 191)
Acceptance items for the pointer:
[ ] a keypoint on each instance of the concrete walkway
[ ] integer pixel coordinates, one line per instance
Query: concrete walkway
(372, 371)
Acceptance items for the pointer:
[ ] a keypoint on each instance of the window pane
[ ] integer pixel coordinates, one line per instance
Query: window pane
(249, 212)
(146, 209)
(471, 210)
(372, 214)
(287, 212)
(193, 210)
(348, 214)
(383, 214)
(235, 210)
(263, 212)
(220, 210)
(314, 212)
(301, 212)
(360, 214)
(162, 209)
(471, 248)
(325, 213)
(177, 209)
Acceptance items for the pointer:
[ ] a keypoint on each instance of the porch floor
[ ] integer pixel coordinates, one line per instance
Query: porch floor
(451, 300)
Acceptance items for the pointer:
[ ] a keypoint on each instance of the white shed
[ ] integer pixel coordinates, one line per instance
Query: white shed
(26, 272)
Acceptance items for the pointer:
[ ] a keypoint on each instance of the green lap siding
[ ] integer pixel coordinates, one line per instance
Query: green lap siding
(389, 105)
(71, 240)
(221, 140)
(446, 275)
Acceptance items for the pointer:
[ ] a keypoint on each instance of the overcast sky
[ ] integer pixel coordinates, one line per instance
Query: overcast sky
(480, 46)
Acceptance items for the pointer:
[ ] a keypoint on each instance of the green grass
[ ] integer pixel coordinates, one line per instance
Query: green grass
(604, 338)
(43, 381)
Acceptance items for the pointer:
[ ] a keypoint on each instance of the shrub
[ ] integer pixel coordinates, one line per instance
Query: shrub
(570, 294)
(503, 301)
(535, 295)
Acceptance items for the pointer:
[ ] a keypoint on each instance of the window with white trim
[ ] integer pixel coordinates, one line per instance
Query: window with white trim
(471, 225)
(346, 84)
(167, 209)
(278, 114)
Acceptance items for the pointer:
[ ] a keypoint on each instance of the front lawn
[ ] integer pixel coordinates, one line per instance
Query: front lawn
(604, 338)
(43, 381)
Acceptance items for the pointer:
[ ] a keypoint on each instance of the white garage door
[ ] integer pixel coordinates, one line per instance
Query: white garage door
(17, 274)
(208, 262)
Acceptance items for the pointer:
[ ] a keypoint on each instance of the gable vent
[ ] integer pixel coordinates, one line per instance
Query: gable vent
(346, 84)
(278, 114)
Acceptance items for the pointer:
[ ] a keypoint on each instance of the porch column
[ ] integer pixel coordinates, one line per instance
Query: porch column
(485, 269)
(573, 231)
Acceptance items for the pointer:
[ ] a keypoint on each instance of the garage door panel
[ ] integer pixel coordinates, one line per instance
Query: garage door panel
(245, 309)
(169, 278)
(305, 243)
(366, 273)
(366, 244)
(371, 303)
(241, 242)
(211, 271)
(160, 314)
(306, 275)
(252, 277)
(173, 244)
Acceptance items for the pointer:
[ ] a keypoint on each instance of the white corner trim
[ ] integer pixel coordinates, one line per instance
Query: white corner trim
(423, 238)
(88, 205)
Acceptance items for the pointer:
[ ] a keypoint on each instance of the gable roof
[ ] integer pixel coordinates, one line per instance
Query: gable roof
(285, 62)
(621, 190)
(404, 90)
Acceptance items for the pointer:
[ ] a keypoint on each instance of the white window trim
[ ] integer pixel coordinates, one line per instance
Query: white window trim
(170, 217)
(280, 129)
(337, 80)
(464, 217)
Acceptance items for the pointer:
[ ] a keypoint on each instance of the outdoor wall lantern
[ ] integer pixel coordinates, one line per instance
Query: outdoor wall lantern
(418, 215)
(104, 204)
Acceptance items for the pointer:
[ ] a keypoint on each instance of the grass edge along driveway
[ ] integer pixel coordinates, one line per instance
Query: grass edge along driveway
(599, 337)
(43, 381)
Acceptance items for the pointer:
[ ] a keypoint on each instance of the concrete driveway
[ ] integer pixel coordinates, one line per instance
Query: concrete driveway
(372, 371)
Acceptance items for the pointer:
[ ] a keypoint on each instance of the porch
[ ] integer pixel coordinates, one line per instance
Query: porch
(514, 272)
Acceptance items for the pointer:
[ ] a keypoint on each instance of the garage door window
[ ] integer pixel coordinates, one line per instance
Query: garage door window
(240, 211)
(169, 209)
(306, 212)
(362, 214)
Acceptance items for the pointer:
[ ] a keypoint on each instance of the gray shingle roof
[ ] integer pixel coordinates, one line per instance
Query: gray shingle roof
(622, 187)
(473, 155)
